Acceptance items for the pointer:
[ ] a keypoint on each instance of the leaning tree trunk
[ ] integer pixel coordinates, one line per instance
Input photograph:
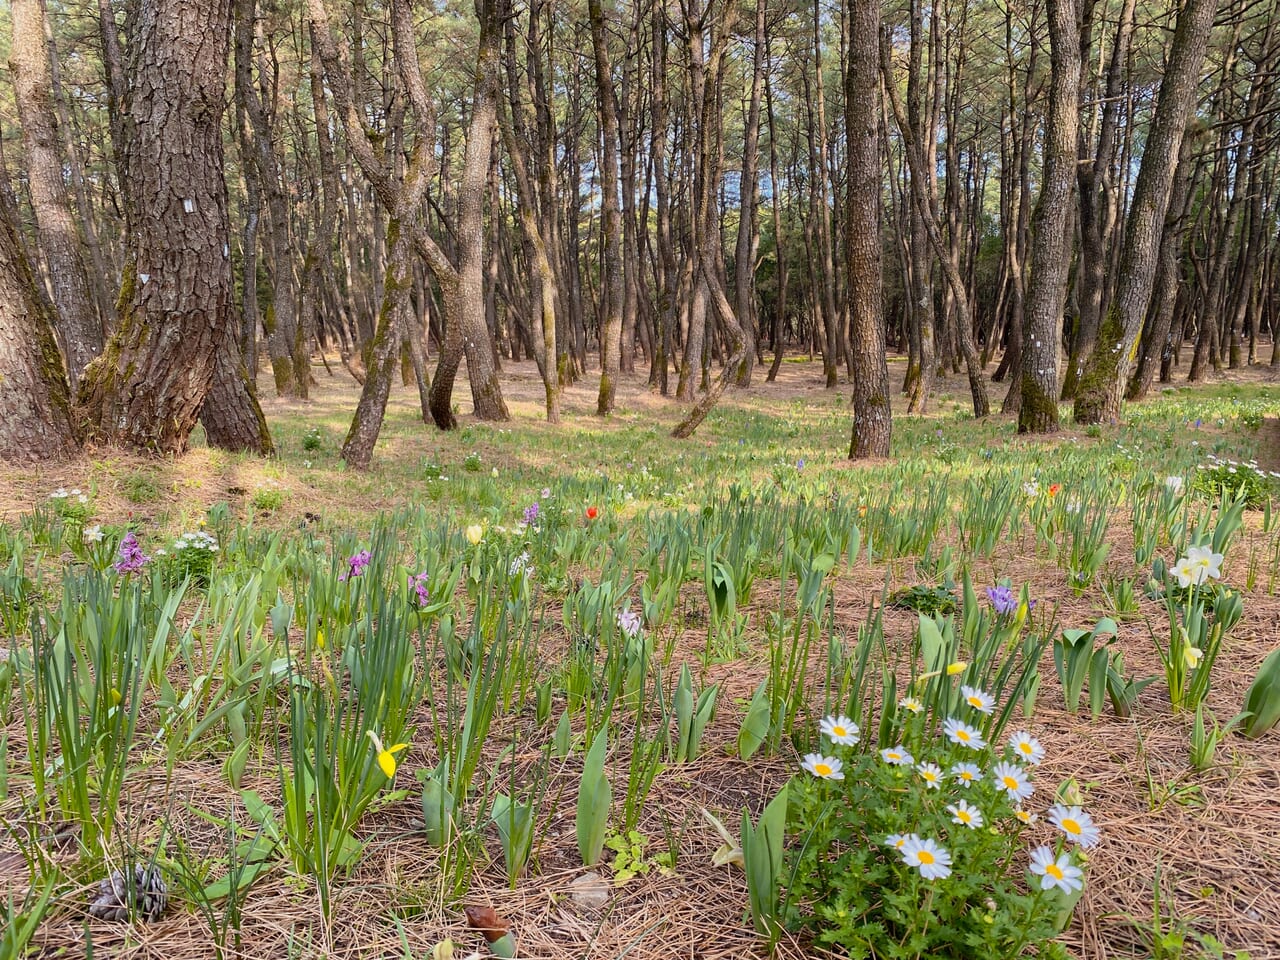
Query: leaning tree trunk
(1106, 371)
(35, 401)
(79, 327)
(147, 388)
(872, 417)
(1051, 246)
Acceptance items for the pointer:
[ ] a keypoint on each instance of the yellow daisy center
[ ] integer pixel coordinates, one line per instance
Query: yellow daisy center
(1024, 816)
(925, 857)
(894, 756)
(1025, 748)
(839, 732)
(962, 735)
(1071, 826)
(963, 816)
(822, 769)
(901, 843)
(1054, 871)
(930, 776)
(975, 701)
(1009, 783)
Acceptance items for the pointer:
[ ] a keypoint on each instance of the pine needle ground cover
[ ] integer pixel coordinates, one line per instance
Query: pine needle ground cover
(583, 691)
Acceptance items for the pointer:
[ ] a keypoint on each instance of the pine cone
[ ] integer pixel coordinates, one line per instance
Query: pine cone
(145, 897)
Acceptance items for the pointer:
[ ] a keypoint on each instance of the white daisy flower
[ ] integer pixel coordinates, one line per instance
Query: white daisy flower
(959, 732)
(911, 704)
(1012, 779)
(1025, 817)
(965, 815)
(1075, 823)
(931, 774)
(1059, 872)
(897, 840)
(966, 774)
(824, 768)
(897, 756)
(978, 699)
(1026, 747)
(933, 861)
(840, 729)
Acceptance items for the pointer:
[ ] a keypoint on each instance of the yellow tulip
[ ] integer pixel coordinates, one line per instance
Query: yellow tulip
(475, 533)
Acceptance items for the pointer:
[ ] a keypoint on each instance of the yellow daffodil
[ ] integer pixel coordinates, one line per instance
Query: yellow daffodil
(320, 639)
(386, 755)
(114, 696)
(956, 668)
(475, 533)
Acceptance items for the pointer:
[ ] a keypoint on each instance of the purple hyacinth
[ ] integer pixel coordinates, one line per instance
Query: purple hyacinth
(531, 514)
(1002, 600)
(132, 559)
(356, 564)
(419, 585)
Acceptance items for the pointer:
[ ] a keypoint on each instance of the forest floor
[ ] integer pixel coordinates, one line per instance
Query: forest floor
(1187, 859)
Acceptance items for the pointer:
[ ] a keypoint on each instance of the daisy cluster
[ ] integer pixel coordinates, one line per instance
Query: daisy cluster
(977, 787)
(72, 505)
(190, 555)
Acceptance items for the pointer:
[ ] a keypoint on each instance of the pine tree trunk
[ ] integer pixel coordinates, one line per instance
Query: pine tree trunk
(1154, 345)
(78, 325)
(1051, 246)
(146, 390)
(231, 416)
(1107, 369)
(467, 333)
(611, 286)
(872, 416)
(35, 401)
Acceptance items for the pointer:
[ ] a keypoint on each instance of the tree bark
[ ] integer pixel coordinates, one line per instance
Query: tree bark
(1107, 368)
(36, 422)
(872, 416)
(231, 416)
(290, 354)
(611, 286)
(146, 390)
(467, 332)
(78, 326)
(748, 239)
(1051, 244)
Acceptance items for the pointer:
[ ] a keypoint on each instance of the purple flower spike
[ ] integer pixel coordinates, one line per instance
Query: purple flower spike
(1002, 600)
(419, 585)
(531, 514)
(356, 564)
(132, 559)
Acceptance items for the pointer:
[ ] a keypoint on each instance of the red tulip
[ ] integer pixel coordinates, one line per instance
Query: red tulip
(592, 513)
